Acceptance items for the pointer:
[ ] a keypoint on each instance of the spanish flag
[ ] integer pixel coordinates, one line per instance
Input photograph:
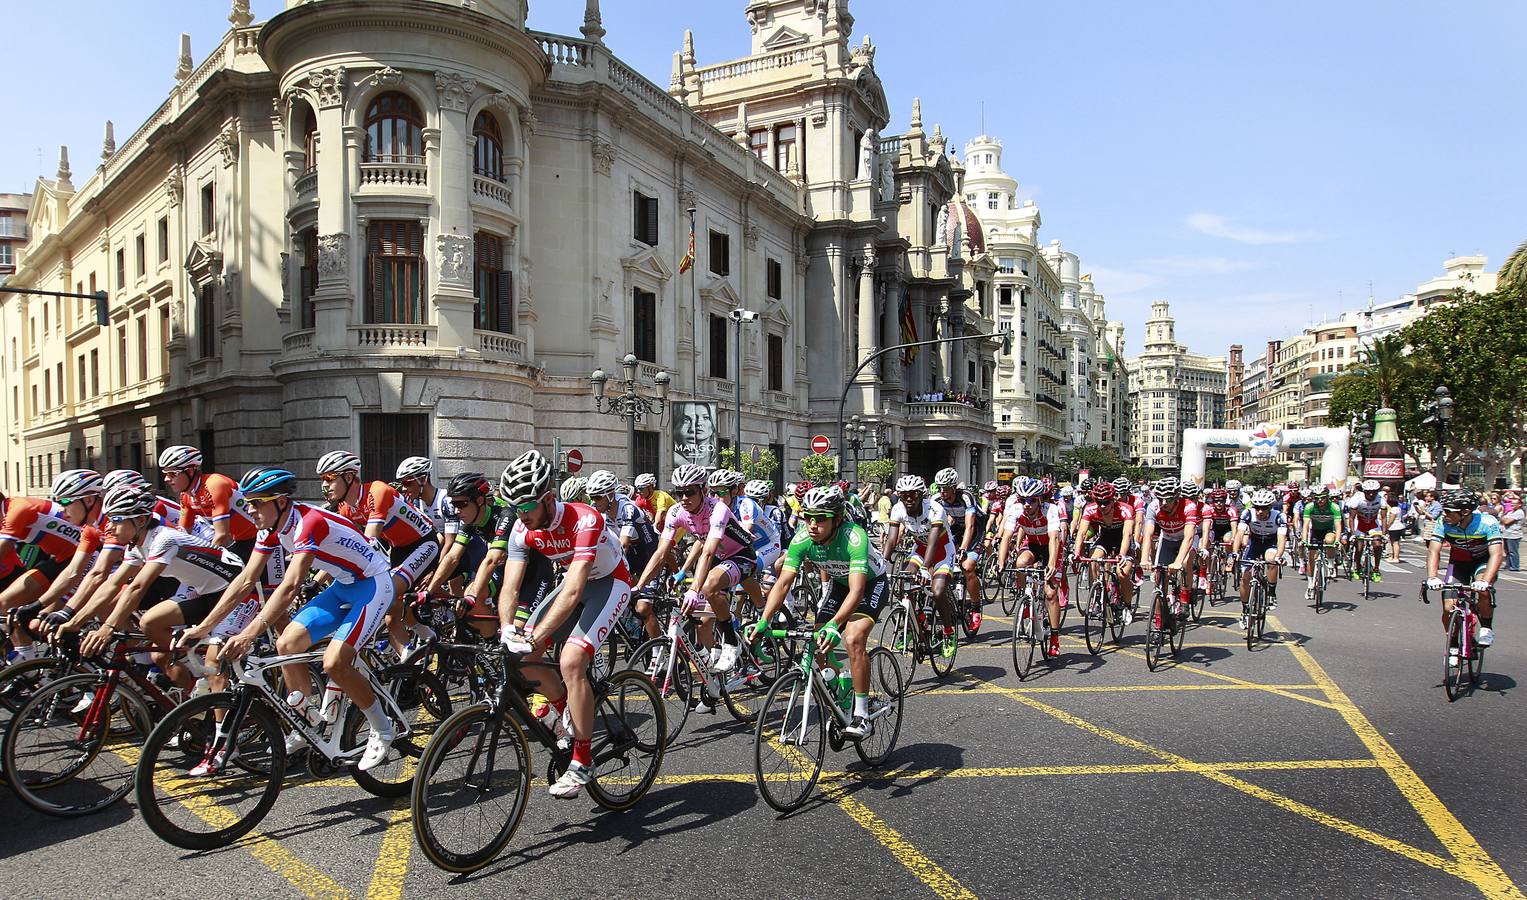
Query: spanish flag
(908, 328)
(688, 261)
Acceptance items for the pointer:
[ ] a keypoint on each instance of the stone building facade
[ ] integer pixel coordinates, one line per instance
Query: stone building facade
(1171, 389)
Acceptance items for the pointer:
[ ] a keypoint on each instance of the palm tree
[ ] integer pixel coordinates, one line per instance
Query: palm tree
(1385, 363)
(1515, 269)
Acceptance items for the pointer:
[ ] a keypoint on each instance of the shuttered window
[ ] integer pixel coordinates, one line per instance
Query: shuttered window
(776, 363)
(644, 215)
(395, 273)
(493, 287)
(308, 279)
(206, 328)
(487, 148)
(394, 128)
(644, 324)
(718, 366)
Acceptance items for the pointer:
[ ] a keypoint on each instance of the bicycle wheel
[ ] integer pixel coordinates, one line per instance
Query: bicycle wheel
(1196, 607)
(899, 636)
(1453, 661)
(1256, 614)
(628, 740)
(991, 578)
(425, 703)
(1178, 630)
(941, 632)
(1027, 631)
(19, 681)
(1009, 595)
(471, 789)
(789, 742)
(672, 676)
(885, 694)
(1154, 638)
(66, 757)
(1113, 608)
(218, 809)
(1095, 619)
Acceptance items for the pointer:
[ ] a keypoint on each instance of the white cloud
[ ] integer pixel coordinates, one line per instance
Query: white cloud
(1215, 225)
(1117, 282)
(1197, 265)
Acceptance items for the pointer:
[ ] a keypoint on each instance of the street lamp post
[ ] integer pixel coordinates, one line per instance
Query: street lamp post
(1439, 413)
(630, 405)
(856, 441)
(739, 316)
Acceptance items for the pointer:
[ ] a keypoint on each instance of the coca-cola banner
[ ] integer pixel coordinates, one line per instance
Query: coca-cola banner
(1384, 468)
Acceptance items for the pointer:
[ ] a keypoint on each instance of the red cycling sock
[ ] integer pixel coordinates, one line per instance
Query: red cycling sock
(581, 752)
(559, 704)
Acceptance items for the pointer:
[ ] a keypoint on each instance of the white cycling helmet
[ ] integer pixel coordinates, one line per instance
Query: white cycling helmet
(526, 478)
(908, 484)
(646, 480)
(1369, 486)
(337, 462)
(1233, 485)
(573, 490)
(416, 467)
(1066, 490)
(759, 489)
(179, 457)
(688, 475)
(128, 502)
(602, 483)
(947, 477)
(1028, 488)
(1263, 499)
(76, 484)
(721, 480)
(119, 477)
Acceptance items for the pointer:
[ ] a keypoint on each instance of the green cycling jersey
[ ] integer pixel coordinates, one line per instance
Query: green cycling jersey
(849, 552)
(1322, 516)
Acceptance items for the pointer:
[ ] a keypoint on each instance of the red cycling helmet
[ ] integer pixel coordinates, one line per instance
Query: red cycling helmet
(1102, 492)
(1218, 495)
(801, 488)
(841, 485)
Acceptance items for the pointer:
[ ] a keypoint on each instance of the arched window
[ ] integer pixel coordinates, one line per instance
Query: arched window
(393, 130)
(310, 140)
(488, 149)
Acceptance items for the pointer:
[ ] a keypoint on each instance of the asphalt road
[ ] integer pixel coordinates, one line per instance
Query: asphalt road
(1329, 764)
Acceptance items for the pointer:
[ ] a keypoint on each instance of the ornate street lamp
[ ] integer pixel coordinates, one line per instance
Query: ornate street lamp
(629, 405)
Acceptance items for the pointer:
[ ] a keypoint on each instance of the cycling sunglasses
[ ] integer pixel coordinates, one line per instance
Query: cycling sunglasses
(688, 492)
(818, 515)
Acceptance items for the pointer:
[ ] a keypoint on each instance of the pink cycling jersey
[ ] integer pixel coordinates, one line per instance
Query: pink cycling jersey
(1172, 523)
(577, 532)
(713, 520)
(337, 547)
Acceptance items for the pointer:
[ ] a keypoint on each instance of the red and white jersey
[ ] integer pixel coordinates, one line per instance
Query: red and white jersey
(195, 562)
(41, 523)
(216, 498)
(1036, 522)
(919, 523)
(1220, 513)
(577, 532)
(381, 504)
(338, 547)
(1108, 515)
(1171, 523)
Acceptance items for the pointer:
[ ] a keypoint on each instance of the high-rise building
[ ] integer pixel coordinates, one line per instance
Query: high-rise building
(1171, 389)
(13, 231)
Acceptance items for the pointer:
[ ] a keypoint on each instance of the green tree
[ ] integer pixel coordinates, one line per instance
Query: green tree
(819, 467)
(1514, 272)
(877, 471)
(1386, 365)
(763, 468)
(1099, 462)
(1264, 474)
(1355, 395)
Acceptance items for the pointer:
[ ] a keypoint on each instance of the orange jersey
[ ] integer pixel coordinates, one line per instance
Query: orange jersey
(216, 498)
(381, 504)
(41, 523)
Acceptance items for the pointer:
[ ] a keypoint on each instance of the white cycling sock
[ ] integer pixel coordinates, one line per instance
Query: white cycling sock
(377, 718)
(862, 705)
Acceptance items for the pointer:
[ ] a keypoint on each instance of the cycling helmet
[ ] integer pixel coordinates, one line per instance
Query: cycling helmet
(1319, 492)
(1369, 486)
(1103, 492)
(1218, 495)
(646, 480)
(337, 462)
(759, 489)
(526, 478)
(469, 484)
(573, 490)
(267, 483)
(1005, 491)
(827, 499)
(801, 487)
(724, 479)
(1066, 491)
(1263, 499)
(1233, 485)
(1121, 484)
(1189, 489)
(1463, 500)
(76, 484)
(946, 477)
(1166, 488)
(908, 484)
(841, 485)
(127, 502)
(416, 467)
(602, 483)
(990, 487)
(179, 457)
(119, 477)
(688, 475)
(1028, 488)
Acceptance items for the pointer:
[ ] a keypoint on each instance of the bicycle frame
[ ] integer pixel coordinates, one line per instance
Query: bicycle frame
(809, 666)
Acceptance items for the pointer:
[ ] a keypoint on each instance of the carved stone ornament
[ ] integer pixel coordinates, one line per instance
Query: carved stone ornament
(231, 308)
(802, 263)
(528, 122)
(500, 102)
(329, 85)
(228, 143)
(286, 274)
(333, 255)
(172, 188)
(604, 155)
(688, 198)
(749, 236)
(455, 257)
(454, 90)
(387, 76)
(277, 116)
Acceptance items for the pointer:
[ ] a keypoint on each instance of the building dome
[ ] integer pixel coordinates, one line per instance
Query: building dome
(961, 223)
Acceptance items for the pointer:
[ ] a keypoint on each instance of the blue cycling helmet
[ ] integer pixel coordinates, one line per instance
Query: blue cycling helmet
(267, 483)
(1028, 488)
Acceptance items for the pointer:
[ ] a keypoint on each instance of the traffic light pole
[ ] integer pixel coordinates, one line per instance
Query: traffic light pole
(1002, 334)
(99, 297)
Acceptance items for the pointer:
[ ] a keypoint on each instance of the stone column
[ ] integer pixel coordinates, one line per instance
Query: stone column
(455, 305)
(890, 333)
(957, 372)
(334, 297)
(868, 332)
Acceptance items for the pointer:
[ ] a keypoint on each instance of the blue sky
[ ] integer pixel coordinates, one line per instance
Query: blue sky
(1250, 162)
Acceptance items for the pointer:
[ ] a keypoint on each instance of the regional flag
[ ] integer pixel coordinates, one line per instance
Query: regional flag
(908, 328)
(688, 261)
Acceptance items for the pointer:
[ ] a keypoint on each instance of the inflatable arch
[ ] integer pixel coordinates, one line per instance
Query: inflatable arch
(1269, 440)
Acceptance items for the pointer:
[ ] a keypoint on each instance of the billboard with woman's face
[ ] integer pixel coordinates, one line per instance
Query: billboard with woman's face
(694, 434)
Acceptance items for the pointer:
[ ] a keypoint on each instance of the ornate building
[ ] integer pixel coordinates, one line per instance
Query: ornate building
(417, 228)
(1171, 389)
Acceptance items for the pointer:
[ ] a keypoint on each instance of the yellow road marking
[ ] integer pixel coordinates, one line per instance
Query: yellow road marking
(392, 858)
(1068, 641)
(1116, 688)
(1231, 679)
(1478, 868)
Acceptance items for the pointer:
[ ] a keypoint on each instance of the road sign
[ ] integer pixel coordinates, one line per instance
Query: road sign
(574, 461)
(820, 444)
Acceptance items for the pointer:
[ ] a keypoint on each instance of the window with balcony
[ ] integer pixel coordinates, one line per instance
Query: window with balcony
(644, 218)
(493, 287)
(309, 141)
(776, 363)
(646, 451)
(307, 277)
(644, 324)
(206, 327)
(394, 130)
(395, 273)
(487, 147)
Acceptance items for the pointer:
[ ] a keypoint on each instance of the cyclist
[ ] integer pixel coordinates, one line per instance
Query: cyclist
(348, 610)
(1367, 516)
(415, 479)
(847, 612)
(755, 520)
(967, 524)
(793, 501)
(38, 539)
(652, 501)
(98, 553)
(574, 490)
(1476, 548)
(1107, 530)
(208, 499)
(1320, 528)
(477, 550)
(1262, 534)
(1033, 526)
(923, 518)
(638, 539)
(579, 611)
(1218, 526)
(762, 492)
(1190, 491)
(722, 558)
(1171, 523)
(1238, 495)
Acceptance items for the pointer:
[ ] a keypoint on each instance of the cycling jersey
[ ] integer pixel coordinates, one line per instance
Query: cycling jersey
(402, 525)
(1035, 525)
(854, 508)
(41, 523)
(1171, 524)
(954, 514)
(576, 532)
(216, 498)
(750, 514)
(655, 505)
(931, 513)
(848, 552)
(1365, 512)
(199, 565)
(1110, 517)
(713, 520)
(1471, 541)
(780, 518)
(338, 548)
(440, 512)
(1322, 516)
(1262, 528)
(1219, 512)
(493, 526)
(631, 522)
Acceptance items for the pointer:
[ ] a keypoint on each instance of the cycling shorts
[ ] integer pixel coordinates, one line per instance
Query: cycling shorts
(943, 567)
(1167, 549)
(868, 607)
(195, 607)
(43, 570)
(1464, 570)
(1221, 530)
(414, 561)
(767, 557)
(738, 568)
(603, 601)
(1318, 535)
(1110, 539)
(1257, 547)
(347, 612)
